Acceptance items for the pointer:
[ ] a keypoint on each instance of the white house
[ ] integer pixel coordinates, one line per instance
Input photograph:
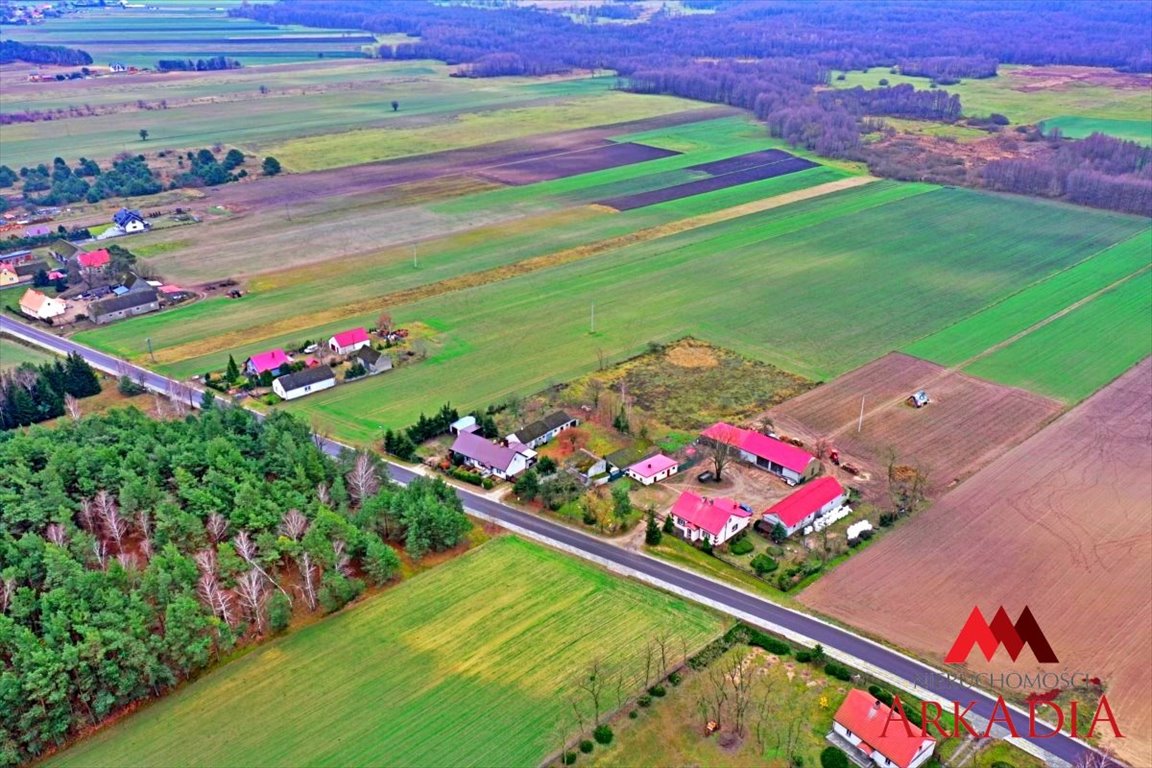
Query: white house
(862, 722)
(503, 461)
(653, 469)
(129, 221)
(714, 520)
(801, 508)
(793, 464)
(540, 432)
(347, 342)
(305, 382)
(40, 306)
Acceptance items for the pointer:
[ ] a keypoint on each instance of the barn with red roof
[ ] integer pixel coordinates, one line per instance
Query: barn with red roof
(862, 729)
(713, 520)
(801, 508)
(347, 342)
(793, 464)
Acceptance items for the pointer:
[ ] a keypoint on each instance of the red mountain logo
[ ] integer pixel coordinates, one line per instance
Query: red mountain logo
(1001, 631)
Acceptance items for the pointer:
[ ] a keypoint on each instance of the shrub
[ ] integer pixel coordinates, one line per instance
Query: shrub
(633, 715)
(471, 478)
(644, 701)
(602, 734)
(279, 612)
(798, 761)
(838, 671)
(881, 694)
(587, 746)
(706, 546)
(546, 465)
(803, 657)
(487, 484)
(568, 758)
(887, 519)
(657, 691)
(337, 591)
(763, 564)
(129, 388)
(675, 678)
(832, 757)
(741, 546)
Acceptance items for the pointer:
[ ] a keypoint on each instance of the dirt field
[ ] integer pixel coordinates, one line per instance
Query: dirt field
(561, 165)
(969, 423)
(1059, 523)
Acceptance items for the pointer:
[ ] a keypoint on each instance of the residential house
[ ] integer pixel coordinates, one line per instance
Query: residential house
(802, 507)
(127, 304)
(503, 461)
(793, 464)
(373, 360)
(40, 306)
(347, 342)
(94, 259)
(543, 431)
(11, 274)
(653, 469)
(270, 362)
(62, 250)
(130, 221)
(861, 723)
(304, 382)
(703, 519)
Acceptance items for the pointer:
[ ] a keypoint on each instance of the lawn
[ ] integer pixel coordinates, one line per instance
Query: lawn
(997, 323)
(13, 354)
(1076, 354)
(467, 664)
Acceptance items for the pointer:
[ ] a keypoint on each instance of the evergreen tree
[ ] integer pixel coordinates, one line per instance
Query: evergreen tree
(652, 533)
(81, 379)
(233, 371)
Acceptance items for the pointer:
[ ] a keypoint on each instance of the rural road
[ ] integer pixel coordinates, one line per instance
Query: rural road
(660, 573)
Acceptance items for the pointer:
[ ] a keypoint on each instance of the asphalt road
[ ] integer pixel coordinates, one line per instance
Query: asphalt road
(945, 689)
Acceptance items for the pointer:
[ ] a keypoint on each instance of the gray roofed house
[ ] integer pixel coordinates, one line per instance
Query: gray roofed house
(127, 305)
(294, 385)
(542, 431)
(372, 360)
(500, 460)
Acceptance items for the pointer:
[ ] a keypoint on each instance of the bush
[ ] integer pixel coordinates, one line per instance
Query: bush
(838, 671)
(129, 388)
(587, 746)
(279, 612)
(658, 691)
(644, 701)
(706, 546)
(763, 564)
(741, 546)
(568, 758)
(466, 476)
(832, 757)
(881, 694)
(602, 734)
(487, 484)
(798, 761)
(633, 715)
(337, 591)
(803, 657)
(675, 678)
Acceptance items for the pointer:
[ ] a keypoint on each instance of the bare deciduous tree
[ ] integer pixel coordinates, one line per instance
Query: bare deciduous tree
(7, 589)
(72, 405)
(206, 560)
(218, 600)
(127, 561)
(721, 448)
(763, 712)
(307, 579)
(739, 682)
(294, 525)
(592, 683)
(252, 590)
(362, 479)
(88, 516)
(217, 527)
(663, 642)
(323, 495)
(56, 534)
(144, 525)
(340, 559)
(100, 549)
(647, 663)
(384, 322)
(111, 523)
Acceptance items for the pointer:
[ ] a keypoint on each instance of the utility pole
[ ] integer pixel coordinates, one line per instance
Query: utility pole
(415, 264)
(592, 321)
(860, 422)
(148, 341)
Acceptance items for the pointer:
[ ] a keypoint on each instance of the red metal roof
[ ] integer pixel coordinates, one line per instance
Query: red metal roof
(94, 258)
(864, 715)
(348, 338)
(269, 361)
(711, 515)
(762, 446)
(810, 497)
(653, 465)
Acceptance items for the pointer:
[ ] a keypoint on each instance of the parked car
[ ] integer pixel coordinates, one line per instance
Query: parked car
(707, 476)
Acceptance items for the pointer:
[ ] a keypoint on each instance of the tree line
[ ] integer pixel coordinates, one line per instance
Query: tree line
(210, 64)
(135, 552)
(56, 55)
(34, 393)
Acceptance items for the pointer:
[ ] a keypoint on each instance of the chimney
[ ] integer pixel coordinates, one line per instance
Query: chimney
(875, 708)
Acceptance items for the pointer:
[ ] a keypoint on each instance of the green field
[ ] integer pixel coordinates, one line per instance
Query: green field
(1019, 93)
(1076, 354)
(469, 664)
(1079, 127)
(13, 354)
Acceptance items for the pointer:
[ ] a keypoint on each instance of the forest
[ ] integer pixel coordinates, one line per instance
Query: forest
(31, 394)
(135, 553)
(57, 55)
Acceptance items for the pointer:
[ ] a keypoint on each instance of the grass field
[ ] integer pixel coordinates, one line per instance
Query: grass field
(1079, 127)
(468, 664)
(13, 354)
(1095, 97)
(1076, 354)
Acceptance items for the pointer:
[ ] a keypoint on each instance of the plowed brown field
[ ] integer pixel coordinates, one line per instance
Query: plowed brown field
(1061, 523)
(969, 423)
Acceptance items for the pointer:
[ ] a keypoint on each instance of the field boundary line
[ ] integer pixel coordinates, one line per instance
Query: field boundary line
(528, 266)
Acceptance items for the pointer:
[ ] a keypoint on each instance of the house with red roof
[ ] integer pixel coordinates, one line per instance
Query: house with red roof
(863, 731)
(503, 461)
(347, 342)
(713, 520)
(793, 464)
(802, 507)
(262, 362)
(94, 259)
(653, 469)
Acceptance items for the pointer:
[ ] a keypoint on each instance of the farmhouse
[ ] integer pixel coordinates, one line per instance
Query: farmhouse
(128, 304)
(540, 432)
(857, 728)
(304, 382)
(129, 221)
(269, 361)
(40, 230)
(653, 469)
(35, 304)
(373, 361)
(802, 507)
(19, 273)
(712, 520)
(793, 464)
(488, 457)
(347, 342)
(94, 259)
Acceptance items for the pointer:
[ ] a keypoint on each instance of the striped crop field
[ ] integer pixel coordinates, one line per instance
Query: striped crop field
(469, 664)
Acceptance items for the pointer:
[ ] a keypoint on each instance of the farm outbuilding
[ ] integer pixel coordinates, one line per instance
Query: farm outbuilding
(304, 382)
(802, 507)
(372, 360)
(127, 304)
(793, 464)
(347, 342)
(543, 431)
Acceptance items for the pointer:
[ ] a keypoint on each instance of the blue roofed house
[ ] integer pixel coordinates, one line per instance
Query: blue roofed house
(130, 221)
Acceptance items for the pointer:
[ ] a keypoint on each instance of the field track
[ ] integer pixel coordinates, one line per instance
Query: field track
(1059, 523)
